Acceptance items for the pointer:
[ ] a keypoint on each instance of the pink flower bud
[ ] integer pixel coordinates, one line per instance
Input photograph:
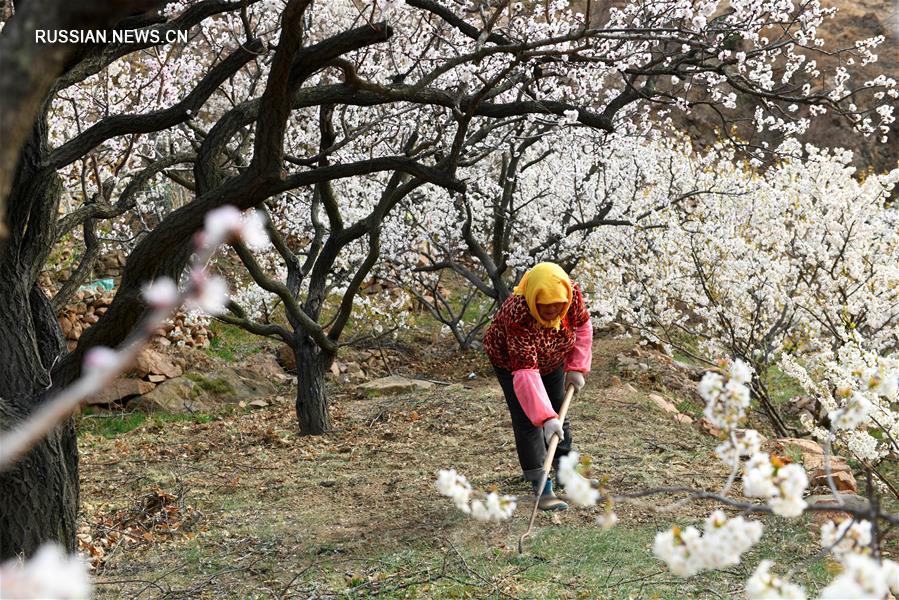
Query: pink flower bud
(254, 233)
(162, 293)
(221, 224)
(212, 295)
(100, 358)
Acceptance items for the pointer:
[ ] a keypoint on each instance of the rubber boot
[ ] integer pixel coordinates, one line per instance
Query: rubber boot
(548, 500)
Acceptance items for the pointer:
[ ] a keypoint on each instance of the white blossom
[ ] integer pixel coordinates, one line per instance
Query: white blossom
(862, 577)
(50, 573)
(211, 295)
(607, 520)
(782, 485)
(577, 488)
(161, 293)
(455, 486)
(722, 544)
(100, 359)
(764, 585)
(849, 536)
(493, 508)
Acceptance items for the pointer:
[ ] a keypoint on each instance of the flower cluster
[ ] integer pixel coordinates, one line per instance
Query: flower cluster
(492, 508)
(739, 444)
(857, 387)
(764, 585)
(577, 487)
(454, 485)
(850, 536)
(863, 577)
(721, 544)
(782, 484)
(726, 400)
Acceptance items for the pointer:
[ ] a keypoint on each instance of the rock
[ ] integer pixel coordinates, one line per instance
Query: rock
(150, 362)
(706, 426)
(692, 372)
(816, 463)
(813, 461)
(176, 395)
(664, 404)
(120, 390)
(67, 327)
(682, 418)
(235, 384)
(335, 368)
(265, 364)
(355, 372)
(843, 479)
(395, 384)
(156, 378)
(851, 501)
(613, 329)
(811, 452)
(258, 404)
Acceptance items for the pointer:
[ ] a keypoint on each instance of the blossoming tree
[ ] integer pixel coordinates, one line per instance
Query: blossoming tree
(796, 258)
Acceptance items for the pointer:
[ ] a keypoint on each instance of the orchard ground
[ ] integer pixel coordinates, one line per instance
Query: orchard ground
(235, 504)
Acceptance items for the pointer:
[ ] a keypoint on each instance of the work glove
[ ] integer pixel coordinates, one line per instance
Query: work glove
(575, 378)
(552, 427)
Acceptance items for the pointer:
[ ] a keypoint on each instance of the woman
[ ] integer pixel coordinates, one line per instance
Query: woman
(540, 343)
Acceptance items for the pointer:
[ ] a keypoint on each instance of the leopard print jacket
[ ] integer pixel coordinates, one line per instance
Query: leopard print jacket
(515, 340)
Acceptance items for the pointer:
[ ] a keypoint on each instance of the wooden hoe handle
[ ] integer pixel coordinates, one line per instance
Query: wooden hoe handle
(547, 464)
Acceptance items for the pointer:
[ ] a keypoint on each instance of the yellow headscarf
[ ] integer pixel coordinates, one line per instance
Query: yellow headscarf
(545, 283)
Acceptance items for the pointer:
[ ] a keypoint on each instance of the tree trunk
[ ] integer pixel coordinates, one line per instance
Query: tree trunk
(312, 403)
(39, 495)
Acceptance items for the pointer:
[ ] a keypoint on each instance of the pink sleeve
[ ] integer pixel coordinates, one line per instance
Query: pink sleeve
(532, 396)
(581, 355)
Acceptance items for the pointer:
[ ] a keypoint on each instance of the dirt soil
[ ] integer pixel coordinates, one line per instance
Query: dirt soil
(240, 505)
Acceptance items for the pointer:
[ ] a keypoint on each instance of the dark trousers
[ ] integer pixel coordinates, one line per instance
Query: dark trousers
(529, 439)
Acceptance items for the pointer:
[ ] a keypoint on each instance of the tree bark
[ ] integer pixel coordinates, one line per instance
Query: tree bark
(39, 495)
(312, 402)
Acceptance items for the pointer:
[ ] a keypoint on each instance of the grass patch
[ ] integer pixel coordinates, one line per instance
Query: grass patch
(354, 513)
(690, 407)
(213, 385)
(109, 425)
(232, 343)
(113, 425)
(782, 387)
(562, 562)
